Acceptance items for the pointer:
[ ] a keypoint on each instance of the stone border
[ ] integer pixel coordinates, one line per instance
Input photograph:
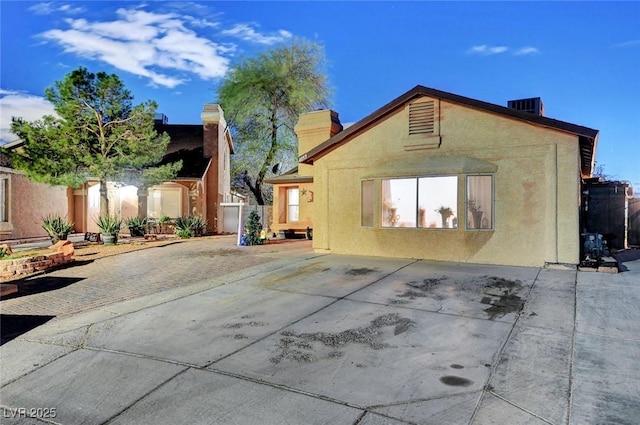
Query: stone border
(63, 253)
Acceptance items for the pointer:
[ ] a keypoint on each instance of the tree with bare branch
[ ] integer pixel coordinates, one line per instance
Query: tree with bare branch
(96, 134)
(263, 98)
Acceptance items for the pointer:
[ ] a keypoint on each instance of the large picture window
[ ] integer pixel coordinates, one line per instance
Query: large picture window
(425, 202)
(399, 202)
(479, 202)
(438, 202)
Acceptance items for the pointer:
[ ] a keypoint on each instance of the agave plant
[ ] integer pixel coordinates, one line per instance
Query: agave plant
(189, 226)
(57, 227)
(109, 224)
(137, 225)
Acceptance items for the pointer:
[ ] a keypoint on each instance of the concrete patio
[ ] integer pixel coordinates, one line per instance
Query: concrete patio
(326, 339)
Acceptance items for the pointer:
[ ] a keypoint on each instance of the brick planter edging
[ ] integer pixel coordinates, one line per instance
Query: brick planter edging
(38, 263)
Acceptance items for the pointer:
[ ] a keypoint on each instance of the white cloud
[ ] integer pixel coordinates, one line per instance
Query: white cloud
(47, 8)
(157, 46)
(247, 33)
(20, 104)
(486, 50)
(483, 49)
(526, 51)
(629, 43)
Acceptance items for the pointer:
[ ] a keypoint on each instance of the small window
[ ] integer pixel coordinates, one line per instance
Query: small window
(293, 204)
(479, 202)
(366, 203)
(4, 200)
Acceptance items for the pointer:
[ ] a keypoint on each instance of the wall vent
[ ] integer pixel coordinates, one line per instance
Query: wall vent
(422, 118)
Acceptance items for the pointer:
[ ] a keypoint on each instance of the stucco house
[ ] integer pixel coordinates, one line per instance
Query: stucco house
(434, 175)
(200, 187)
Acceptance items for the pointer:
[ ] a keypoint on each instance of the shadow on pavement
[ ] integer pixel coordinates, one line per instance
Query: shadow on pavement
(14, 325)
(626, 256)
(36, 285)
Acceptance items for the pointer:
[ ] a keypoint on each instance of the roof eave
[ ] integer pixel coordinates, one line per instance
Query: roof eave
(363, 124)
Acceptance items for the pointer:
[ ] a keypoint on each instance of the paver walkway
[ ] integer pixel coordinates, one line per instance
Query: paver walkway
(135, 274)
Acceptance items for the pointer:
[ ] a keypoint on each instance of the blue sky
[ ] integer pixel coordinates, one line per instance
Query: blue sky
(581, 58)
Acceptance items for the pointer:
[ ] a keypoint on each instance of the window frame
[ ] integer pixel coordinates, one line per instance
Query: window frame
(372, 204)
(4, 198)
(288, 204)
(492, 227)
(462, 199)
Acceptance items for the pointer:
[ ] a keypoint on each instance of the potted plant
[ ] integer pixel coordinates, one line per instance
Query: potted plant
(445, 213)
(137, 225)
(109, 228)
(476, 213)
(164, 222)
(57, 227)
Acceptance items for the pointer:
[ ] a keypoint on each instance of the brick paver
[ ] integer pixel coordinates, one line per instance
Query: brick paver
(138, 273)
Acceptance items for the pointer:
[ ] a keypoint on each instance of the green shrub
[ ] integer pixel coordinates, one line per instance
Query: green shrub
(57, 227)
(189, 226)
(252, 229)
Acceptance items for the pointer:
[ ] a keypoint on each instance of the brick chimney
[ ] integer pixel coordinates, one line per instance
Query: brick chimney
(214, 126)
(312, 129)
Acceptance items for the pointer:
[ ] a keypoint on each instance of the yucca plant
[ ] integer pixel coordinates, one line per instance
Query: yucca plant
(57, 227)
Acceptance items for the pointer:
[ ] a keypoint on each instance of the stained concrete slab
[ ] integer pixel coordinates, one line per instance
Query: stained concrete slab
(495, 411)
(606, 385)
(335, 276)
(609, 308)
(363, 359)
(212, 324)
(484, 292)
(374, 419)
(451, 410)
(551, 302)
(88, 386)
(22, 357)
(371, 355)
(533, 372)
(202, 397)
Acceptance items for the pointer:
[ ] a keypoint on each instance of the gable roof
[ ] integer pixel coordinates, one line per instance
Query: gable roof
(587, 136)
(194, 163)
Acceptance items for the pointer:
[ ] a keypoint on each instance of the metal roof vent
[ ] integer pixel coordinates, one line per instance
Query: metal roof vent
(532, 105)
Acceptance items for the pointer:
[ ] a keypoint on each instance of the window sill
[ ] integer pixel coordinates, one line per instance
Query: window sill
(421, 143)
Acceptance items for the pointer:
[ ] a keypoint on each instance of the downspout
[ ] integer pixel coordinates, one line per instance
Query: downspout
(556, 203)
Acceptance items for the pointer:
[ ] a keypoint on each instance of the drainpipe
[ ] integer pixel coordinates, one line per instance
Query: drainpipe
(555, 202)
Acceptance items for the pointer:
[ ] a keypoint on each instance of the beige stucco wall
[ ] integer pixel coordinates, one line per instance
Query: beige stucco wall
(28, 203)
(279, 221)
(536, 188)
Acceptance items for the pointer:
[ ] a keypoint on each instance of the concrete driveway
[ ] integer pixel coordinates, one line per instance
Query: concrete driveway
(326, 339)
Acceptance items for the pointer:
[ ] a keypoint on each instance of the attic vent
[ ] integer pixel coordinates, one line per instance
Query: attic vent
(422, 118)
